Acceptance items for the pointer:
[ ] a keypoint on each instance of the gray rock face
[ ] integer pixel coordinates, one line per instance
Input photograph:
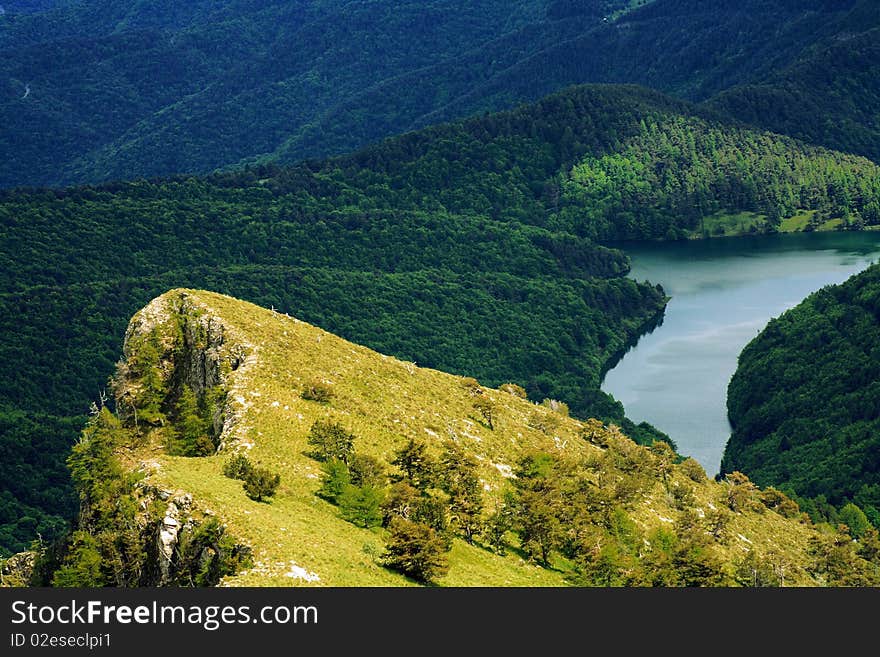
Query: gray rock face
(200, 360)
(195, 350)
(167, 542)
(200, 363)
(169, 535)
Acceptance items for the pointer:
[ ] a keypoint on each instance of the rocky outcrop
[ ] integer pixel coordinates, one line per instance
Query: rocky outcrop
(174, 344)
(169, 533)
(175, 546)
(176, 341)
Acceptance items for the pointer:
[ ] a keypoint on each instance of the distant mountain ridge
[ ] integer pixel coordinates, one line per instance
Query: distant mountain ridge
(829, 96)
(125, 90)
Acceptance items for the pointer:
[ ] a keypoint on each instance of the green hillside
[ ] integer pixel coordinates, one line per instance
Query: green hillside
(428, 478)
(804, 402)
(829, 96)
(105, 90)
(468, 247)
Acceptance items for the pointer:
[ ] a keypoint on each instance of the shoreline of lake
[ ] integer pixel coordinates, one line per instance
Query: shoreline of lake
(722, 291)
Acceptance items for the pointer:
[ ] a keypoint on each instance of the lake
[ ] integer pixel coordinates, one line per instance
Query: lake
(724, 291)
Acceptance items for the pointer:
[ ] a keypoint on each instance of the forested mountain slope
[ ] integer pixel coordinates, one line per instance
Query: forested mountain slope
(689, 48)
(362, 470)
(100, 90)
(108, 89)
(805, 402)
(829, 96)
(470, 247)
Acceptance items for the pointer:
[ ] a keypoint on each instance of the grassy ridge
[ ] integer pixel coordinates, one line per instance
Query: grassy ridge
(384, 402)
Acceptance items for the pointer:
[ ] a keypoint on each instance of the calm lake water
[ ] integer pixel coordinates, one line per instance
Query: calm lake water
(724, 291)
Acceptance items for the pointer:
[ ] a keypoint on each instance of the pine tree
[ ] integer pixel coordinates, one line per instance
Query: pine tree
(458, 476)
(362, 505)
(335, 481)
(82, 565)
(538, 524)
(741, 492)
(432, 509)
(237, 467)
(486, 408)
(367, 470)
(499, 523)
(756, 571)
(400, 502)
(192, 429)
(538, 506)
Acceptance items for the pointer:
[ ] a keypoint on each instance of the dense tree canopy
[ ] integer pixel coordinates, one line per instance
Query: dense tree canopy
(828, 96)
(805, 402)
(111, 89)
